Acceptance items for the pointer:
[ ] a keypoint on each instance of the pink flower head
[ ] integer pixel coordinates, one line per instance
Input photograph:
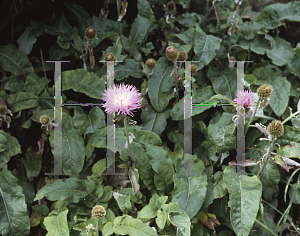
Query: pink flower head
(122, 99)
(244, 99)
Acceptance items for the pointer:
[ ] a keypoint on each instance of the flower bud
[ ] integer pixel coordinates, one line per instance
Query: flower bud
(98, 212)
(151, 63)
(275, 128)
(44, 120)
(171, 6)
(90, 33)
(171, 53)
(109, 57)
(182, 56)
(264, 91)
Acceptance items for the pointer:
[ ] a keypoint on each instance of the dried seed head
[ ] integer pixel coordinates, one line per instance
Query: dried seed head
(90, 33)
(264, 91)
(109, 57)
(3, 110)
(275, 128)
(151, 63)
(98, 212)
(194, 69)
(171, 6)
(182, 56)
(44, 120)
(171, 53)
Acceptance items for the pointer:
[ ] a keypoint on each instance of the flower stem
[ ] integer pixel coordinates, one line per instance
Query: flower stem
(252, 117)
(234, 18)
(290, 117)
(175, 72)
(97, 228)
(126, 130)
(267, 157)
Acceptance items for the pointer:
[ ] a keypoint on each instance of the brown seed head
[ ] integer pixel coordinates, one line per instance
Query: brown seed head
(44, 120)
(171, 6)
(264, 91)
(194, 69)
(182, 56)
(171, 53)
(98, 212)
(151, 63)
(275, 128)
(90, 33)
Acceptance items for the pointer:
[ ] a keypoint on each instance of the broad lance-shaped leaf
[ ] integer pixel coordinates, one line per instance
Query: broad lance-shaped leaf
(22, 101)
(14, 60)
(190, 185)
(155, 121)
(9, 146)
(202, 96)
(244, 194)
(26, 40)
(82, 81)
(205, 47)
(56, 222)
(160, 85)
(88, 123)
(14, 219)
(163, 167)
(128, 68)
(61, 189)
(178, 218)
(139, 29)
(127, 225)
(72, 145)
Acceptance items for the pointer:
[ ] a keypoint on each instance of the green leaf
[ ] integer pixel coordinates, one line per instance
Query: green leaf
(160, 85)
(14, 60)
(34, 84)
(103, 26)
(244, 194)
(88, 123)
(124, 203)
(297, 193)
(126, 224)
(79, 13)
(130, 48)
(56, 222)
(189, 19)
(82, 81)
(128, 68)
(14, 219)
(26, 40)
(15, 83)
(155, 121)
(138, 29)
(61, 189)
(161, 219)
(57, 53)
(290, 151)
(108, 229)
(188, 36)
(297, 50)
(274, 15)
(202, 96)
(163, 167)
(250, 29)
(145, 9)
(33, 163)
(190, 185)
(178, 218)
(205, 47)
(9, 147)
(73, 154)
(27, 186)
(63, 42)
(281, 88)
(22, 100)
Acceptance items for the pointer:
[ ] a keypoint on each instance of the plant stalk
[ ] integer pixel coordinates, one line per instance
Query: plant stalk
(97, 228)
(234, 18)
(176, 84)
(252, 117)
(290, 117)
(267, 157)
(129, 148)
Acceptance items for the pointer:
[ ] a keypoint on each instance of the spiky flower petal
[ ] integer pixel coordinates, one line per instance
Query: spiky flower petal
(264, 91)
(243, 99)
(275, 128)
(122, 99)
(98, 212)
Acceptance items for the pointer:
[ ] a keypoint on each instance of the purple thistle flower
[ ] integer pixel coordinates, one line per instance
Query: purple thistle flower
(244, 99)
(122, 99)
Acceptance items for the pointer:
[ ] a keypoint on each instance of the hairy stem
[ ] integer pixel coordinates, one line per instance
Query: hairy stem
(129, 148)
(97, 228)
(252, 117)
(267, 157)
(176, 84)
(290, 117)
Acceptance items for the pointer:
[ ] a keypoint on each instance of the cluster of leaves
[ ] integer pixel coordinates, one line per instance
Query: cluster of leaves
(171, 201)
